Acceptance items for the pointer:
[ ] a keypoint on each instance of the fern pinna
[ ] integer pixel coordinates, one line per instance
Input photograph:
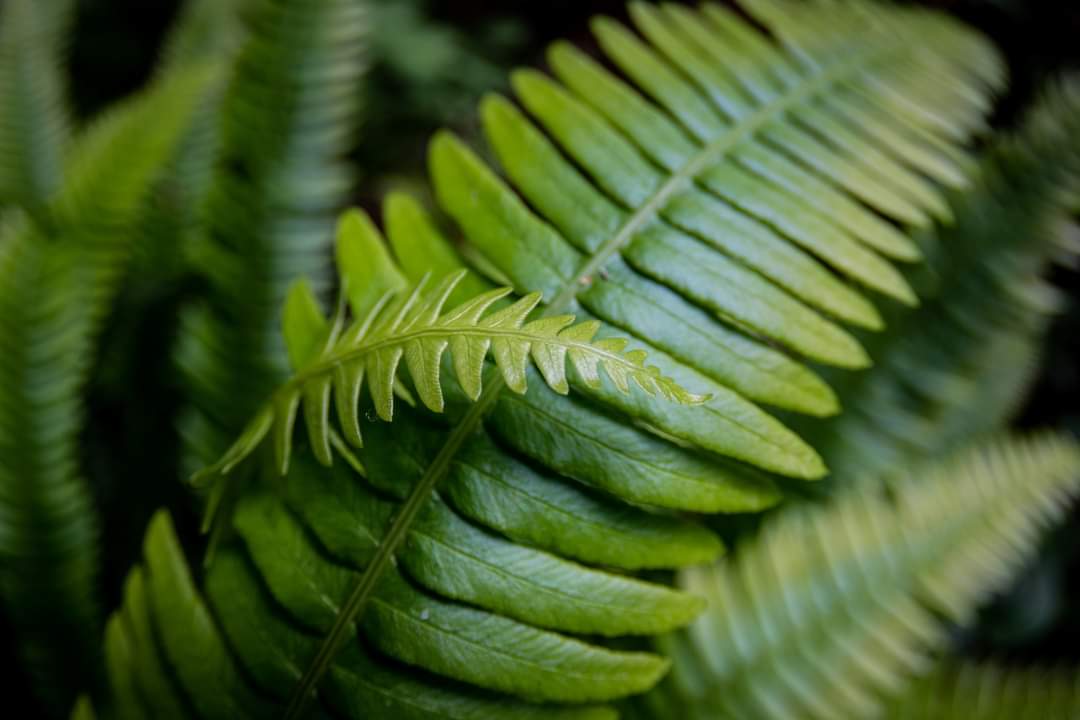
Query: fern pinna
(730, 209)
(987, 691)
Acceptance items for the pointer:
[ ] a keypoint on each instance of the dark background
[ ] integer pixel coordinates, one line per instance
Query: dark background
(432, 60)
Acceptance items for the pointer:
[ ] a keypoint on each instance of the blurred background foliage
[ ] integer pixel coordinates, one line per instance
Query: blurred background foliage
(431, 62)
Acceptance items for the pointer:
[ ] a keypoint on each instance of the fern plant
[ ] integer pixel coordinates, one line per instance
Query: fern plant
(64, 257)
(831, 608)
(674, 220)
(686, 236)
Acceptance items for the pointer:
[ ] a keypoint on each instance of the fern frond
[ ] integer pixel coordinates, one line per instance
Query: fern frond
(35, 126)
(833, 607)
(986, 691)
(204, 31)
(682, 207)
(957, 367)
(61, 280)
(418, 329)
(289, 119)
(201, 30)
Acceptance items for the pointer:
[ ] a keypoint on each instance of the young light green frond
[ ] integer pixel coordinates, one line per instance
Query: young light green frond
(416, 330)
(834, 607)
(986, 691)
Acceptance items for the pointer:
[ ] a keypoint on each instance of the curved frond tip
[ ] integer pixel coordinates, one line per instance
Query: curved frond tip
(415, 328)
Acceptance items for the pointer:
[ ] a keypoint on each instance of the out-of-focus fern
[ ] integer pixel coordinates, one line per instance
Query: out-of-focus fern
(835, 606)
(431, 74)
(61, 273)
(134, 392)
(202, 29)
(205, 30)
(290, 117)
(986, 691)
(957, 367)
(35, 124)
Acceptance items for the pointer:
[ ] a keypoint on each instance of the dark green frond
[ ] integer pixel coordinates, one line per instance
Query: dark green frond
(173, 652)
(35, 123)
(834, 607)
(205, 31)
(958, 366)
(60, 280)
(290, 117)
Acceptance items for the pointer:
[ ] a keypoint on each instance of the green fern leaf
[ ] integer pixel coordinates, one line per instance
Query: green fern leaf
(205, 30)
(35, 127)
(62, 278)
(957, 368)
(986, 691)
(287, 122)
(833, 607)
(681, 247)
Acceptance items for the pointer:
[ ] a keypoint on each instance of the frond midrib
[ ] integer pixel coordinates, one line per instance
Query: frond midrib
(709, 154)
(334, 361)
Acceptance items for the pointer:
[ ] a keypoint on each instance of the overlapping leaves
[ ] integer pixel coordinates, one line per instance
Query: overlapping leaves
(62, 275)
(833, 608)
(418, 329)
(959, 366)
(724, 208)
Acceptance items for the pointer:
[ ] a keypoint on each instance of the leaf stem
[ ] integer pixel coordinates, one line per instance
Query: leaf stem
(330, 363)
